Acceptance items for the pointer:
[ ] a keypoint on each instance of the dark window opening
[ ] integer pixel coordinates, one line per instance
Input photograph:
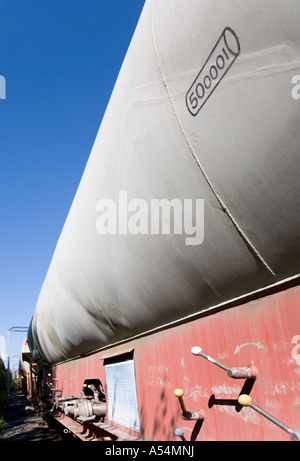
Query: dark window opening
(108, 360)
(92, 386)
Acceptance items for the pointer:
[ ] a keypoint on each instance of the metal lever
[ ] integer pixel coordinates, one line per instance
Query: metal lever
(180, 433)
(188, 415)
(246, 401)
(236, 372)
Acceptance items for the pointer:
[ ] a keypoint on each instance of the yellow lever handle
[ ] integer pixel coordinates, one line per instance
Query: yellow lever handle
(179, 393)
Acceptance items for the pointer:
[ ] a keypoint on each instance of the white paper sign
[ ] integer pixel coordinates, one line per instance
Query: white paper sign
(121, 394)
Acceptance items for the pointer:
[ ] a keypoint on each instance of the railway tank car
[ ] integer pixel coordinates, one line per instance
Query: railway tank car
(177, 269)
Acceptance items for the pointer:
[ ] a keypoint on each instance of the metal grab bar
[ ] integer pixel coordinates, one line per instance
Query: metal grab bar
(236, 372)
(188, 415)
(246, 401)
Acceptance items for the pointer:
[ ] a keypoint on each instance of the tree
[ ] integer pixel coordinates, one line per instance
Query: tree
(3, 386)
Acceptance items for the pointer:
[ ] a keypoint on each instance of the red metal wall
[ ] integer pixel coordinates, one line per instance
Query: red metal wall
(263, 332)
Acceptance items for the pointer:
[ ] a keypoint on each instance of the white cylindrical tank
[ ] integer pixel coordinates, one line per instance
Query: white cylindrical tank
(204, 112)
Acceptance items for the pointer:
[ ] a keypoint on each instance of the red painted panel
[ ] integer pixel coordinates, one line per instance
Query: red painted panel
(264, 332)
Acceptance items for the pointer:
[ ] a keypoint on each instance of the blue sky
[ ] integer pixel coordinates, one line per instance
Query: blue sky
(60, 60)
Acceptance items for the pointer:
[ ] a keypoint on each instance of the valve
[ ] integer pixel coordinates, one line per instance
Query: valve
(246, 401)
(188, 415)
(180, 433)
(235, 372)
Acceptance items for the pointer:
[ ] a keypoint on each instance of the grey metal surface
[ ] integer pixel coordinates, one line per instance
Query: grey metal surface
(240, 153)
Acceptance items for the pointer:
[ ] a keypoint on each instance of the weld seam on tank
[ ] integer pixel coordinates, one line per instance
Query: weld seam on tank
(224, 207)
